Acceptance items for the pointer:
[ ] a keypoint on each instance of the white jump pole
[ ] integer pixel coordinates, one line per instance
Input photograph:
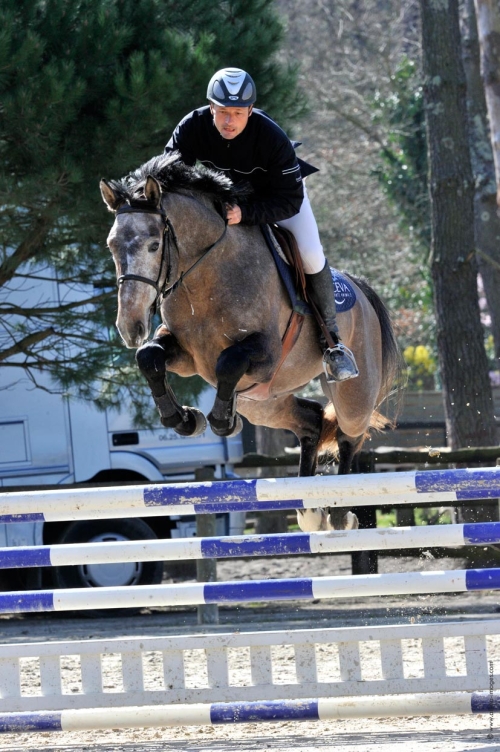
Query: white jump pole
(428, 486)
(249, 591)
(180, 549)
(390, 706)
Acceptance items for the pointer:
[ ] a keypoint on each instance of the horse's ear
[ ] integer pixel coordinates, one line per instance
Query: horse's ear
(152, 191)
(110, 196)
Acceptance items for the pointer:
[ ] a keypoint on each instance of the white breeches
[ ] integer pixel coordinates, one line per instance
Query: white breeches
(303, 226)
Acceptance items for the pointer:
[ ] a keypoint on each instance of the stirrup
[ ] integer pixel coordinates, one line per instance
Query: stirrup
(339, 363)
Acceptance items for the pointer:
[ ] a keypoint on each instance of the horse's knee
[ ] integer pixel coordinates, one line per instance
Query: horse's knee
(154, 356)
(232, 364)
(240, 359)
(151, 360)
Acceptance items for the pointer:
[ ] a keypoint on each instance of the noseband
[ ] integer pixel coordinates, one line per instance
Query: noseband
(162, 291)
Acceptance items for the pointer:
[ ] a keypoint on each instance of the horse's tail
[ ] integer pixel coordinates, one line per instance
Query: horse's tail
(391, 380)
(392, 361)
(328, 441)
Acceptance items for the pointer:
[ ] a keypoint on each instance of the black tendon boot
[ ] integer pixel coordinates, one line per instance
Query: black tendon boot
(338, 360)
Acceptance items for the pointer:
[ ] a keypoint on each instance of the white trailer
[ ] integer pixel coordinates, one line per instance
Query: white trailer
(47, 439)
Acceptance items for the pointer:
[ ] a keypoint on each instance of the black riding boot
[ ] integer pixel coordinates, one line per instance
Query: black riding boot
(339, 360)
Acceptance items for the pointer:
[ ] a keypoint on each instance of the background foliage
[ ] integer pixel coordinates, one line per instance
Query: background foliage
(91, 89)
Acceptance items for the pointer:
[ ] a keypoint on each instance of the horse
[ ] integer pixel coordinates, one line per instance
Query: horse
(224, 310)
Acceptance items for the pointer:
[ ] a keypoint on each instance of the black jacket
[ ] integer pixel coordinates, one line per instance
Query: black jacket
(261, 155)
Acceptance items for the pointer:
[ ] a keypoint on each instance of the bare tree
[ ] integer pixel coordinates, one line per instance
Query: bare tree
(488, 24)
(348, 52)
(487, 219)
(466, 388)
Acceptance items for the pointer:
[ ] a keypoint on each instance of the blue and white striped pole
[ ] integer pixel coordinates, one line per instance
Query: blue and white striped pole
(251, 591)
(335, 541)
(393, 706)
(424, 486)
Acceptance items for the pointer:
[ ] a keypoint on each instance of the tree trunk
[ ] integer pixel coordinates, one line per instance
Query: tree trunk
(271, 442)
(487, 220)
(467, 392)
(488, 25)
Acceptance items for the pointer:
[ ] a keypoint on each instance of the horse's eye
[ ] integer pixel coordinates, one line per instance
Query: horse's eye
(153, 247)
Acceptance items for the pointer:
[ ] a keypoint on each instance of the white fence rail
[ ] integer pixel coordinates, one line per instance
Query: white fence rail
(247, 667)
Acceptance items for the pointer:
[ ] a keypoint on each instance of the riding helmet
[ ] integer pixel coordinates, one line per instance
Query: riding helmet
(232, 87)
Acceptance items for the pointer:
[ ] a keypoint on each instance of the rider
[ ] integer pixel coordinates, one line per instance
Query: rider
(231, 136)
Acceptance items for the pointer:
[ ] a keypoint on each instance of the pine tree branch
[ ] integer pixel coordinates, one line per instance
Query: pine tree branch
(26, 249)
(23, 345)
(44, 310)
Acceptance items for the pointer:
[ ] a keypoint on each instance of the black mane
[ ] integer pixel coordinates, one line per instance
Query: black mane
(174, 176)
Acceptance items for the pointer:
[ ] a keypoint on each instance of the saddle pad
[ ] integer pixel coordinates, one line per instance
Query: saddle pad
(345, 296)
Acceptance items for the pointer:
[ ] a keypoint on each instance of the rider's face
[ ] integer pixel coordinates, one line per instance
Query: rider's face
(230, 121)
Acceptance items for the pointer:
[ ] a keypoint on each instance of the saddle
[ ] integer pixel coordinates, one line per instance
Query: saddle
(293, 275)
(286, 254)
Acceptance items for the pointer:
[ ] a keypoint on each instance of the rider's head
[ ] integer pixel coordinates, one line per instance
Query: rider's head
(231, 92)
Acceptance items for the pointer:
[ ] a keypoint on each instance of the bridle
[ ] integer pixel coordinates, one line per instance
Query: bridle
(168, 238)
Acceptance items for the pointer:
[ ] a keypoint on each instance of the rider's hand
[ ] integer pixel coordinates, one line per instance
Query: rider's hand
(233, 214)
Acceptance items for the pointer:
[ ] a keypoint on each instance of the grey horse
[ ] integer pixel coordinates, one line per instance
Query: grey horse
(225, 311)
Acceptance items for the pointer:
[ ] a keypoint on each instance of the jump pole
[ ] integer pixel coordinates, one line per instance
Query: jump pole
(251, 591)
(438, 703)
(424, 486)
(457, 484)
(288, 544)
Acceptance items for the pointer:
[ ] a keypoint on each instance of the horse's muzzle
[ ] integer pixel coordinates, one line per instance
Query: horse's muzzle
(133, 336)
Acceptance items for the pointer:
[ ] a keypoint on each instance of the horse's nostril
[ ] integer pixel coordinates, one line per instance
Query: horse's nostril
(139, 329)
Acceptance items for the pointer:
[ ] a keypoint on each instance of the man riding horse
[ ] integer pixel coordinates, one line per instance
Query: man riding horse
(231, 136)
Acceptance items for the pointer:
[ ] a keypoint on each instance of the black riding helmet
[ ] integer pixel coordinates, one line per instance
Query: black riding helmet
(232, 87)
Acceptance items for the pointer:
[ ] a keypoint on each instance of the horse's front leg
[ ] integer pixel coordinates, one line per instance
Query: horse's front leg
(251, 356)
(153, 359)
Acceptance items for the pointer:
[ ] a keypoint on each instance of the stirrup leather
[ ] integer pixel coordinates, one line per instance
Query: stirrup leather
(339, 363)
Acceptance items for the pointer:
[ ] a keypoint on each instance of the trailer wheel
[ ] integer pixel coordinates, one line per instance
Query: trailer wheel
(108, 575)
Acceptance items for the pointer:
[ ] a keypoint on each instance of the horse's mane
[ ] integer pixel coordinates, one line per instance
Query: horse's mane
(175, 176)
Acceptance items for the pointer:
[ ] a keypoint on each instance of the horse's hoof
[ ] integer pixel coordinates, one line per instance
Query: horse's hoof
(350, 521)
(312, 520)
(340, 520)
(194, 425)
(221, 428)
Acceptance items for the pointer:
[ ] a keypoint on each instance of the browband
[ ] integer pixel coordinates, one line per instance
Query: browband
(140, 209)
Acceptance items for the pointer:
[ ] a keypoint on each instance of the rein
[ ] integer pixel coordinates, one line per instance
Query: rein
(162, 291)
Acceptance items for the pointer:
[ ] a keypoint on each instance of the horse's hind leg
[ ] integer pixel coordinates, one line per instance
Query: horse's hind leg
(152, 359)
(309, 433)
(310, 520)
(347, 449)
(251, 356)
(305, 419)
